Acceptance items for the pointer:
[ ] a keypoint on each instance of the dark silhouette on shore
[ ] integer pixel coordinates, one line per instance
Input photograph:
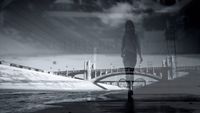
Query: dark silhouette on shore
(129, 51)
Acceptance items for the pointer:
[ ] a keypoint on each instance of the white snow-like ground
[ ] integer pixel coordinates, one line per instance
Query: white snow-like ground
(16, 78)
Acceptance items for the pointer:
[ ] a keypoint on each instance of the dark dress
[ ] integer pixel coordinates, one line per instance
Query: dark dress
(129, 50)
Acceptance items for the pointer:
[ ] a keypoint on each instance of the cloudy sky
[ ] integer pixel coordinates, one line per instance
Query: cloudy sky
(33, 30)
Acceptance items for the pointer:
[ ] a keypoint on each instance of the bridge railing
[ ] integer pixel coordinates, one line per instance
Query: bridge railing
(154, 71)
(145, 70)
(21, 66)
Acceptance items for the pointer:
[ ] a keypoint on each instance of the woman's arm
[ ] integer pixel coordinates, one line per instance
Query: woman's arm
(139, 49)
(123, 46)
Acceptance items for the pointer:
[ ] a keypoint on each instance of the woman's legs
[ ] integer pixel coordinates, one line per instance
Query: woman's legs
(129, 64)
(129, 61)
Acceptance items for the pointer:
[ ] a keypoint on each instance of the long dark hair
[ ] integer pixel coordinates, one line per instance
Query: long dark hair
(129, 26)
(130, 31)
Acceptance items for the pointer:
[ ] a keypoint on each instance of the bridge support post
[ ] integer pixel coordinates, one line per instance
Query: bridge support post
(153, 71)
(164, 70)
(100, 73)
(169, 68)
(173, 67)
(87, 67)
(106, 71)
(171, 63)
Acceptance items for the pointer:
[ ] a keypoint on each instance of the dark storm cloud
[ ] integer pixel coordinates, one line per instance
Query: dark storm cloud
(29, 29)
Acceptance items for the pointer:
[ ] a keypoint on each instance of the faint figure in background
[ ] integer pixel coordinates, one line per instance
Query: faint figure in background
(129, 51)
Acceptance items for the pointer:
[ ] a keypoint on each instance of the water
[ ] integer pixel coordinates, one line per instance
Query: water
(19, 101)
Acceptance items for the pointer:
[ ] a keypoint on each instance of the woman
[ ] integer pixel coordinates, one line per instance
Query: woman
(129, 51)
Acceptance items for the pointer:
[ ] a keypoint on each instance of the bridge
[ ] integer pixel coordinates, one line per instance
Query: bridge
(97, 75)
(155, 73)
(168, 71)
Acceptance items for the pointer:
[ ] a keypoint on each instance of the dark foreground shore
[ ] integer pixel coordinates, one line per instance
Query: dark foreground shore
(160, 104)
(178, 96)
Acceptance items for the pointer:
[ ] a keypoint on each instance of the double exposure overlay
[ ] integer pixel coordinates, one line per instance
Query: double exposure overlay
(99, 56)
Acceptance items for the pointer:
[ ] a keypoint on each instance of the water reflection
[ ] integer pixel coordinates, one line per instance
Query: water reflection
(100, 102)
(159, 107)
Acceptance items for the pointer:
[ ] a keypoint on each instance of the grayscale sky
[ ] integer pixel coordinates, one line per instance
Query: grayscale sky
(33, 28)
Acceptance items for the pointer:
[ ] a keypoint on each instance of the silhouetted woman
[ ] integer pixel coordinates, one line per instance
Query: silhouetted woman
(129, 51)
